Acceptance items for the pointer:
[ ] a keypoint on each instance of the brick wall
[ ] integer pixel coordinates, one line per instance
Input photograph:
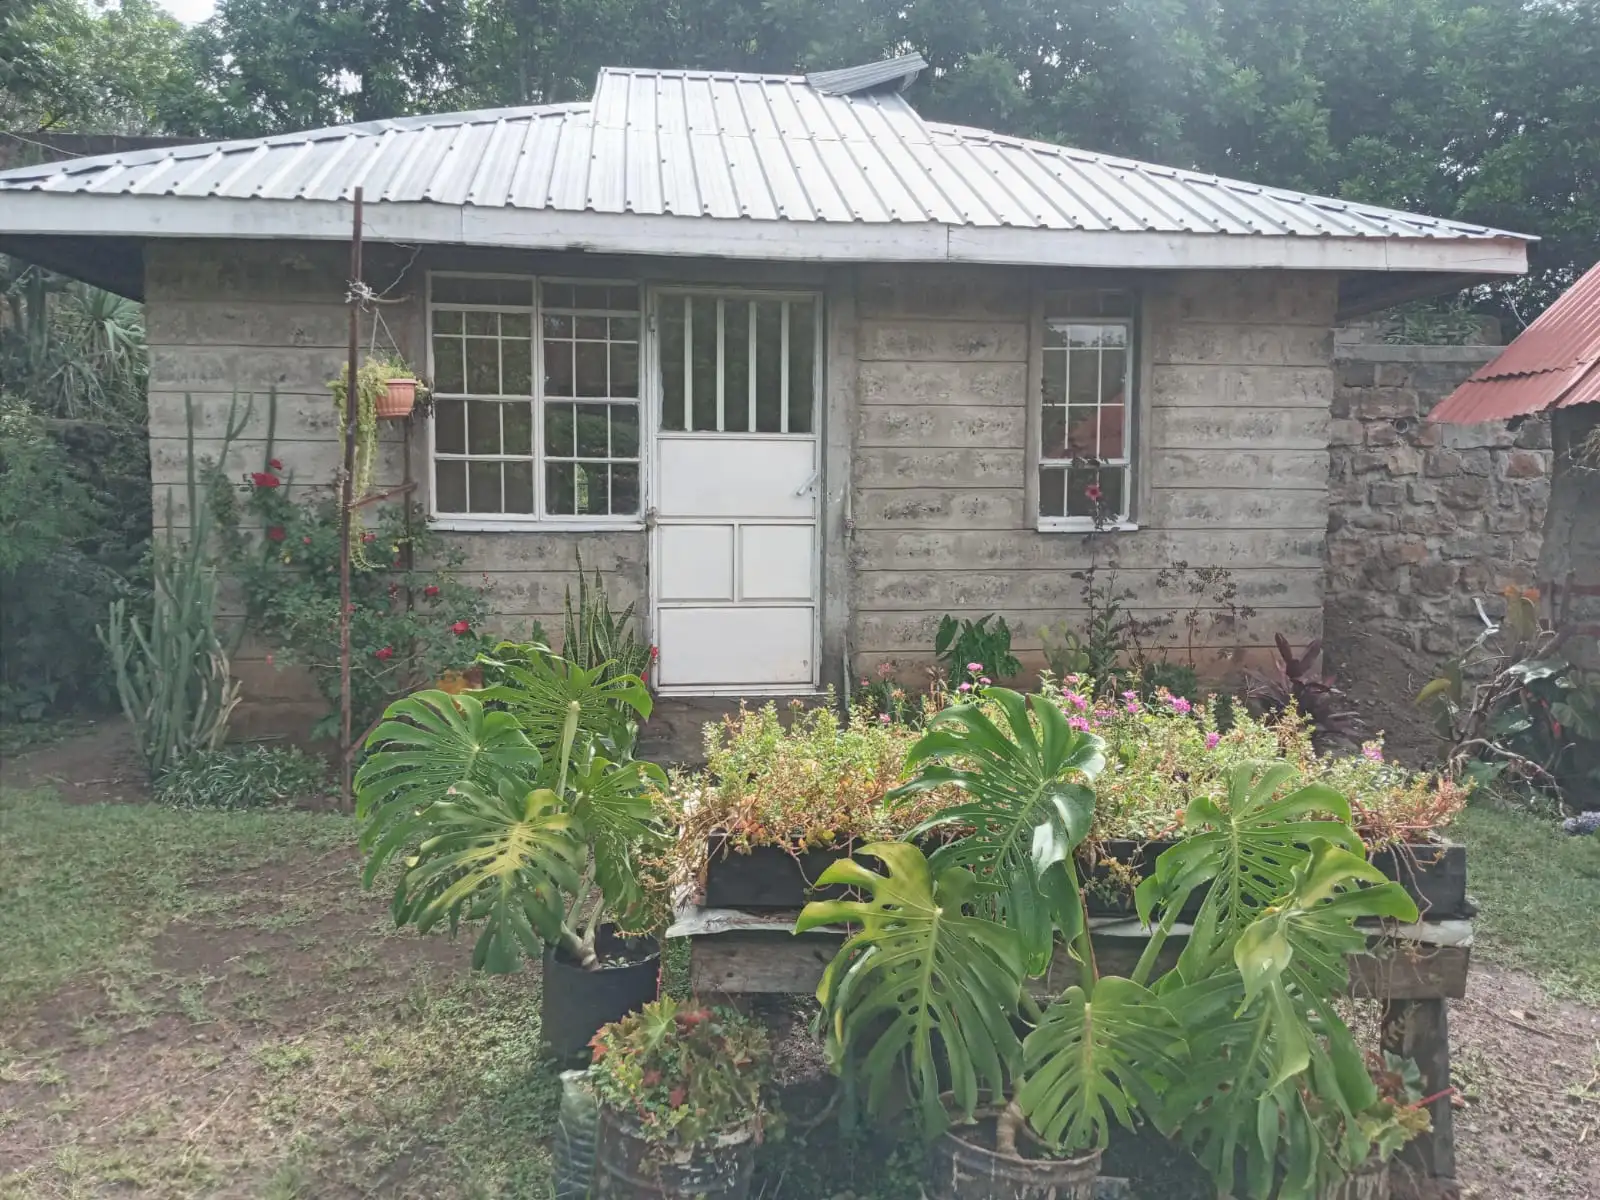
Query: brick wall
(1424, 517)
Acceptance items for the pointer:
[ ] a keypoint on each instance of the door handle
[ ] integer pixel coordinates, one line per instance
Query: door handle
(650, 517)
(806, 487)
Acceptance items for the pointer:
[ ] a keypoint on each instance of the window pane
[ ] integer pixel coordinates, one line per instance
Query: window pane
(558, 295)
(1083, 335)
(625, 430)
(1113, 431)
(1052, 492)
(625, 369)
(448, 321)
(1053, 428)
(483, 428)
(557, 368)
(1083, 377)
(1082, 438)
(736, 365)
(451, 481)
(590, 296)
(1083, 499)
(518, 362)
(1113, 376)
(450, 426)
(594, 489)
(624, 329)
(1055, 377)
(593, 328)
(483, 366)
(592, 430)
(483, 324)
(558, 488)
(590, 371)
(624, 489)
(1055, 335)
(802, 365)
(448, 371)
(672, 362)
(517, 422)
(624, 296)
(449, 289)
(519, 486)
(769, 366)
(559, 431)
(703, 314)
(483, 487)
(557, 325)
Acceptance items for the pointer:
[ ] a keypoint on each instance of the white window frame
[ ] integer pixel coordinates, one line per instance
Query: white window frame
(1041, 322)
(538, 520)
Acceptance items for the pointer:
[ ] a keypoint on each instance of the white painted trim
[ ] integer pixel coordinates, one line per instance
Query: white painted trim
(81, 214)
(1083, 525)
(478, 524)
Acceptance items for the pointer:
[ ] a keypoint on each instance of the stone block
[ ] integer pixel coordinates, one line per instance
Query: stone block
(1386, 495)
(1439, 641)
(1381, 522)
(1514, 520)
(1393, 375)
(1436, 578)
(1404, 551)
(1344, 404)
(1387, 403)
(1491, 436)
(1533, 434)
(1355, 374)
(1382, 433)
(1464, 491)
(1345, 432)
(1403, 460)
(1523, 464)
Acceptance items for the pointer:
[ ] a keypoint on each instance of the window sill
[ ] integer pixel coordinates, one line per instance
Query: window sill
(464, 524)
(1084, 525)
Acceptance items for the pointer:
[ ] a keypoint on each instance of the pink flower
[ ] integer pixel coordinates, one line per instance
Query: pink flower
(1372, 751)
(885, 670)
(460, 628)
(1133, 706)
(1179, 704)
(385, 654)
(974, 667)
(1130, 695)
(1212, 739)
(963, 687)
(1093, 493)
(1102, 713)
(274, 464)
(1078, 723)
(985, 680)
(883, 718)
(1077, 701)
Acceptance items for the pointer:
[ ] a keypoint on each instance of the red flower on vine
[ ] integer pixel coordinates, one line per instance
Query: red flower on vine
(385, 654)
(274, 464)
(264, 479)
(1093, 493)
(275, 534)
(306, 539)
(369, 537)
(430, 591)
(460, 627)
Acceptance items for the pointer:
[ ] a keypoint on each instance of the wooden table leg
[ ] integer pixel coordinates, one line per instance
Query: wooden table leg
(1420, 1030)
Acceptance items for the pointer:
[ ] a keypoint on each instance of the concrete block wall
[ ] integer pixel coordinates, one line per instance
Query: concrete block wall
(1424, 517)
(1232, 454)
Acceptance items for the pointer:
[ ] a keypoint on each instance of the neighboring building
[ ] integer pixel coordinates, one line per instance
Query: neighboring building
(1553, 367)
(798, 370)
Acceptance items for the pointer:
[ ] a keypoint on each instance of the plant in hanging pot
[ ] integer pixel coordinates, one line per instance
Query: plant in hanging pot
(517, 819)
(924, 1000)
(681, 1102)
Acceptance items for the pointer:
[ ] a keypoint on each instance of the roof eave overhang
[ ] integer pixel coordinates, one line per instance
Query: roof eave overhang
(47, 214)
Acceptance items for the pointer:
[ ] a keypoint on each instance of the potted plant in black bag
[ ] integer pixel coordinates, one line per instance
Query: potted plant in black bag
(1234, 1049)
(530, 820)
(681, 1093)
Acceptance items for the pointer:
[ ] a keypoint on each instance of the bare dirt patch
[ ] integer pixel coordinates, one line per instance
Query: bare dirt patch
(1383, 678)
(99, 767)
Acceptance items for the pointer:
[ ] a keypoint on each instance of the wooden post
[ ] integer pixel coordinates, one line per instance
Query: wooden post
(1420, 1030)
(347, 480)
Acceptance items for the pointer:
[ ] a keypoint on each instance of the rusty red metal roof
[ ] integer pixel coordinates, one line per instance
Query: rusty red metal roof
(1553, 363)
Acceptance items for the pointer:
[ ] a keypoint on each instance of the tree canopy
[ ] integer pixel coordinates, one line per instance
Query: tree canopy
(1484, 110)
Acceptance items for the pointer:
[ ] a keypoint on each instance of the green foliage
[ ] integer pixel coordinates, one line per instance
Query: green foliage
(683, 1074)
(593, 637)
(538, 688)
(173, 676)
(242, 777)
(961, 644)
(919, 982)
(413, 621)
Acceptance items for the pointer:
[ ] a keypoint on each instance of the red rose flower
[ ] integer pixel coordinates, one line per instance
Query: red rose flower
(369, 537)
(1093, 493)
(385, 654)
(275, 534)
(274, 464)
(460, 627)
(264, 479)
(306, 539)
(430, 590)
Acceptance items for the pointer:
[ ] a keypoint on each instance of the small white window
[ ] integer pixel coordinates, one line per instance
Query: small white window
(738, 364)
(532, 428)
(1085, 425)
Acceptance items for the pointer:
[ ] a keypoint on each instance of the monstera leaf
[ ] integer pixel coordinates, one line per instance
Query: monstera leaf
(1246, 848)
(613, 806)
(920, 982)
(508, 858)
(1093, 1058)
(430, 741)
(1029, 806)
(540, 689)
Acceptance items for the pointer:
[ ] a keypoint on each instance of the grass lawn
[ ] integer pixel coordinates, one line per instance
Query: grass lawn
(1539, 892)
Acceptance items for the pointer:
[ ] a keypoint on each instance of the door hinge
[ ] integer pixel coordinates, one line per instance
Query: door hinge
(650, 517)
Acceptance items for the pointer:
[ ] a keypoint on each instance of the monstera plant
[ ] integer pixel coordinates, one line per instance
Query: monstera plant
(1234, 1049)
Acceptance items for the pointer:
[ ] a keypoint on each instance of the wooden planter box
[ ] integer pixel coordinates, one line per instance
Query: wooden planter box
(770, 878)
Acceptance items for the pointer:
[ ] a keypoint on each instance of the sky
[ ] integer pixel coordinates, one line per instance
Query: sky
(189, 11)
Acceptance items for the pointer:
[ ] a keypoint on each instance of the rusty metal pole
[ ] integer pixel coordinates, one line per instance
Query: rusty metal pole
(347, 479)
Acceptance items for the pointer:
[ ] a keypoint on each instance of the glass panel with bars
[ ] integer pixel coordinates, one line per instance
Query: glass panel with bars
(1084, 451)
(738, 364)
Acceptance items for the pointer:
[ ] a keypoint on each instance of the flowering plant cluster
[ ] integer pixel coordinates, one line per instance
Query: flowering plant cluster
(412, 618)
(684, 1074)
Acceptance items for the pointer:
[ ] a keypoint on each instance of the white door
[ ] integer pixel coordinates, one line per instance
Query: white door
(735, 564)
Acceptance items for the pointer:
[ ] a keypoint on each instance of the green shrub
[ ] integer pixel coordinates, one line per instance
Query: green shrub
(235, 777)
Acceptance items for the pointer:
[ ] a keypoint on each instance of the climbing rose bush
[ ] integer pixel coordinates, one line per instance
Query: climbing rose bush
(413, 619)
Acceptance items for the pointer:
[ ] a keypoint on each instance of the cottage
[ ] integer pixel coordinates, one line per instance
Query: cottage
(797, 369)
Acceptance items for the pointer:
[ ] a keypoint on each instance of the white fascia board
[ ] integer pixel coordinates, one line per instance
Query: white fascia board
(80, 214)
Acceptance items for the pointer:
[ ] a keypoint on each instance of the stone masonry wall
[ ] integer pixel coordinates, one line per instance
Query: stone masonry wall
(1423, 518)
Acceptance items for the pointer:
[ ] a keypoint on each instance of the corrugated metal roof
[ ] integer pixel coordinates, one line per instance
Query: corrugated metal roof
(726, 146)
(1553, 363)
(901, 72)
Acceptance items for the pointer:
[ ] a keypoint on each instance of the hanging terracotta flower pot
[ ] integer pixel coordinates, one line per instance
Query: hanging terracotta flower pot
(397, 401)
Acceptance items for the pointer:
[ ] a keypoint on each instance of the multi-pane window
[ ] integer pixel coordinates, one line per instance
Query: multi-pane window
(527, 427)
(1085, 451)
(738, 364)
